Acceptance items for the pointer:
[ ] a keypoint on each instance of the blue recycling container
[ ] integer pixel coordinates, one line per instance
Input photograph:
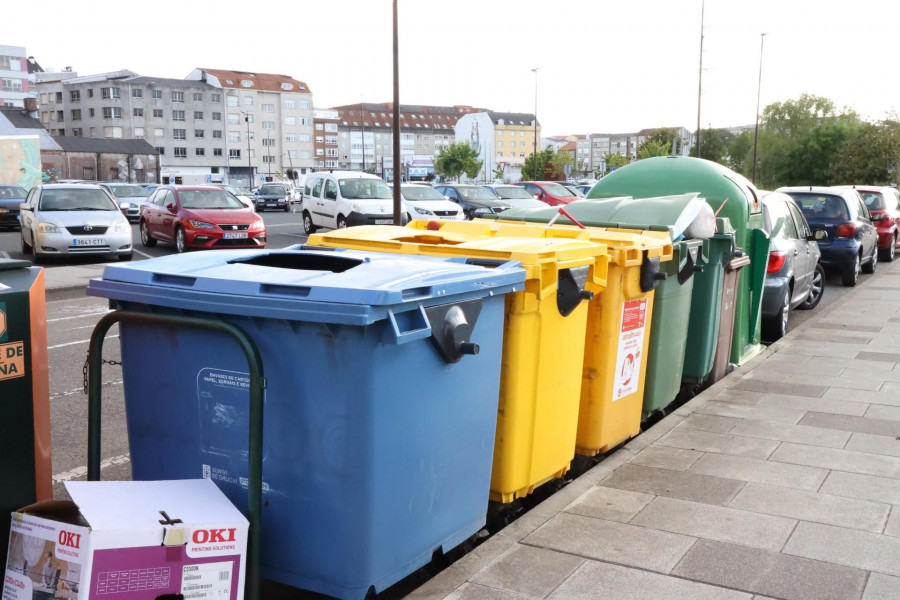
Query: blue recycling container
(381, 400)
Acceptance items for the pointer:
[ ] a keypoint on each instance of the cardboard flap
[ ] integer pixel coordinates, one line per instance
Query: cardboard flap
(64, 511)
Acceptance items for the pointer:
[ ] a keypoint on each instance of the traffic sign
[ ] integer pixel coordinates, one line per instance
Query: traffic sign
(262, 177)
(209, 179)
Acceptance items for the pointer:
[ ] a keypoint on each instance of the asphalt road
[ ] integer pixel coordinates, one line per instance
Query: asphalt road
(70, 323)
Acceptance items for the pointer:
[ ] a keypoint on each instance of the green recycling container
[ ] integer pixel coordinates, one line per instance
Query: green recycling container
(672, 303)
(733, 197)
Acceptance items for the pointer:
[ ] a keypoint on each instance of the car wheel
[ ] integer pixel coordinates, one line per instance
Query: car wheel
(26, 247)
(891, 250)
(341, 222)
(180, 240)
(287, 208)
(870, 266)
(308, 227)
(146, 239)
(126, 257)
(816, 289)
(851, 275)
(776, 326)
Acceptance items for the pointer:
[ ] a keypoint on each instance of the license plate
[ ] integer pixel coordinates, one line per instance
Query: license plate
(235, 235)
(88, 242)
(383, 221)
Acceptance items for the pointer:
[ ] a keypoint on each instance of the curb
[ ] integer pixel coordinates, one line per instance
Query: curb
(66, 292)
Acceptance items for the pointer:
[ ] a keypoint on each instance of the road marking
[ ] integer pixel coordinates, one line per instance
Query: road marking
(144, 254)
(79, 472)
(81, 316)
(283, 225)
(78, 342)
(81, 389)
(294, 235)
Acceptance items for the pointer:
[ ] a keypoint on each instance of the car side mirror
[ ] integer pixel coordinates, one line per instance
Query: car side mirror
(171, 208)
(25, 207)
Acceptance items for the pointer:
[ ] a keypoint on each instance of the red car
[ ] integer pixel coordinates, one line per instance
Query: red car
(884, 207)
(550, 192)
(202, 217)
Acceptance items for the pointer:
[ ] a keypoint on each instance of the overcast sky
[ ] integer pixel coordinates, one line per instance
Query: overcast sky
(604, 65)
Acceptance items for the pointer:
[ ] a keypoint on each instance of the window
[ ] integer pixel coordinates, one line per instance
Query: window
(109, 92)
(500, 144)
(331, 152)
(289, 103)
(234, 137)
(499, 155)
(217, 116)
(290, 137)
(521, 144)
(319, 152)
(112, 112)
(157, 113)
(246, 83)
(161, 150)
(178, 115)
(216, 98)
(268, 124)
(137, 93)
(179, 134)
(138, 132)
(304, 137)
(90, 93)
(319, 127)
(138, 112)
(232, 100)
(320, 139)
(268, 159)
(76, 114)
(198, 115)
(159, 132)
(248, 100)
(75, 96)
(248, 118)
(180, 152)
(199, 152)
(521, 134)
(268, 108)
(112, 132)
(198, 96)
(522, 155)
(304, 104)
(198, 133)
(268, 142)
(291, 153)
(234, 153)
(304, 121)
(77, 132)
(499, 133)
(156, 94)
(177, 96)
(233, 119)
(217, 152)
(304, 154)
(12, 85)
(331, 140)
(287, 86)
(217, 134)
(331, 127)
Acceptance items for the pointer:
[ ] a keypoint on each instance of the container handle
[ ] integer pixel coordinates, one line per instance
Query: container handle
(650, 274)
(570, 289)
(451, 328)
(415, 323)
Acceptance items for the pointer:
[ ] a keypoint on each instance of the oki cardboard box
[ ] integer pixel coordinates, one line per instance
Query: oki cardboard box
(129, 540)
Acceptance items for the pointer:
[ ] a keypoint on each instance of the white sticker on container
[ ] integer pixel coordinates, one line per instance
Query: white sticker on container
(630, 352)
(206, 581)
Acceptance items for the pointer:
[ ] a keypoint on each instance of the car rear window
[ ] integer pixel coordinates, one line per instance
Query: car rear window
(821, 206)
(129, 191)
(272, 190)
(12, 192)
(873, 200)
(420, 192)
(508, 192)
(208, 199)
(554, 189)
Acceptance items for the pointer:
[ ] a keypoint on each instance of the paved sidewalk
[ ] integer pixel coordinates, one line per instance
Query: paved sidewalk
(778, 482)
(70, 281)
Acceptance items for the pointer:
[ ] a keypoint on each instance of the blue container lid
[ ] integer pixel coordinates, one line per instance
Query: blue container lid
(322, 285)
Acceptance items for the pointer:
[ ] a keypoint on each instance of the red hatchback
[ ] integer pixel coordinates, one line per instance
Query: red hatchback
(884, 207)
(202, 217)
(550, 192)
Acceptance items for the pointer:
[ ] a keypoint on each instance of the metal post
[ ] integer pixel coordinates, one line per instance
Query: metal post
(700, 77)
(534, 157)
(249, 166)
(398, 220)
(762, 39)
(257, 395)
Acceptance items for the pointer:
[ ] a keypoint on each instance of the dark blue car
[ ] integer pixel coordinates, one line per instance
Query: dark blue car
(11, 196)
(849, 243)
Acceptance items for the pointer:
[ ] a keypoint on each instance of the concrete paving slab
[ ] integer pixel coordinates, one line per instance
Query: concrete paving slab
(613, 542)
(778, 387)
(811, 506)
(815, 349)
(865, 487)
(610, 503)
(880, 397)
(852, 380)
(800, 434)
(764, 572)
(709, 422)
(878, 356)
(827, 405)
(874, 444)
(528, 571)
(838, 460)
(831, 338)
(716, 523)
(759, 471)
(837, 545)
(664, 457)
(893, 524)
(601, 580)
(744, 411)
(846, 327)
(473, 591)
(705, 441)
(675, 484)
(882, 587)
(880, 411)
(854, 424)
(739, 397)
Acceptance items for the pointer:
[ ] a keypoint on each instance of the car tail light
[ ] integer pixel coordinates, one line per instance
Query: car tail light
(845, 230)
(776, 261)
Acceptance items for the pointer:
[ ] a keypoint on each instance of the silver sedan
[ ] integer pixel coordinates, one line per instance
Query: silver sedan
(68, 220)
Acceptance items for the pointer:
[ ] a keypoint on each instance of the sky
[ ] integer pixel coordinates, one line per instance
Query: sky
(604, 66)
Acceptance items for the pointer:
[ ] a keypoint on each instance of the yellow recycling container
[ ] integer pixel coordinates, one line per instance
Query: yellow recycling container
(543, 344)
(618, 324)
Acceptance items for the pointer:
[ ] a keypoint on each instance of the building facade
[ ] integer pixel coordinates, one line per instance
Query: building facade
(14, 84)
(503, 141)
(326, 146)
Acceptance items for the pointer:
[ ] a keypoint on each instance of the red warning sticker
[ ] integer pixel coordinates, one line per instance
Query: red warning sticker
(630, 351)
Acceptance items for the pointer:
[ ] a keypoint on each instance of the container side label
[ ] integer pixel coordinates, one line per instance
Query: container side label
(12, 360)
(206, 580)
(630, 350)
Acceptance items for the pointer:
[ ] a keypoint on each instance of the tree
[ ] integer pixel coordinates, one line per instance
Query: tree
(663, 136)
(740, 153)
(652, 148)
(455, 159)
(871, 157)
(615, 161)
(812, 158)
(536, 170)
(498, 171)
(715, 145)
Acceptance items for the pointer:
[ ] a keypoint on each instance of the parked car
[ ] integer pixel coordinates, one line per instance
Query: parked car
(11, 196)
(794, 277)
(585, 188)
(515, 195)
(273, 195)
(475, 200)
(239, 194)
(339, 199)
(129, 197)
(425, 202)
(549, 192)
(574, 189)
(151, 186)
(849, 242)
(884, 207)
(204, 217)
(73, 219)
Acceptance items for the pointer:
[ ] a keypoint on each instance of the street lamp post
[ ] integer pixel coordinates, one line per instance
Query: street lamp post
(534, 156)
(249, 165)
(762, 39)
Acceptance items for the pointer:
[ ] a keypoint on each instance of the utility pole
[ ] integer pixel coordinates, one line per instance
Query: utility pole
(398, 220)
(534, 156)
(700, 77)
(762, 39)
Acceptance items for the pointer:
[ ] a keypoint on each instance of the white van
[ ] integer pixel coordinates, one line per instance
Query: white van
(339, 199)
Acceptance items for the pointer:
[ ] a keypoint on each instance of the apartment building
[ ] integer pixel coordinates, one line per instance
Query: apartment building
(14, 84)
(503, 140)
(213, 126)
(325, 142)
